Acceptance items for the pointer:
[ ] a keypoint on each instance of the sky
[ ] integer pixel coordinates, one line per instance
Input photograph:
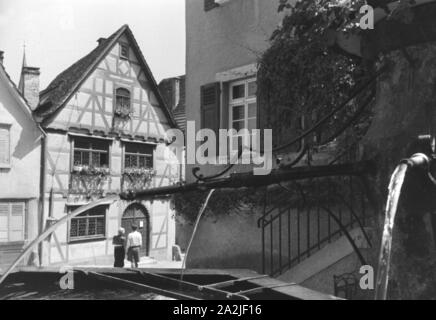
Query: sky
(57, 33)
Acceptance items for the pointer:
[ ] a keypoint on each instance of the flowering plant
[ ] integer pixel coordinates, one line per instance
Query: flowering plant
(140, 172)
(138, 178)
(91, 170)
(123, 112)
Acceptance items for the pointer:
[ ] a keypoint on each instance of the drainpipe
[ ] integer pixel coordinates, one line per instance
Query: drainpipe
(42, 193)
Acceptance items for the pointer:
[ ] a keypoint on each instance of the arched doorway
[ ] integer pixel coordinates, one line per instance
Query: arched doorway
(138, 215)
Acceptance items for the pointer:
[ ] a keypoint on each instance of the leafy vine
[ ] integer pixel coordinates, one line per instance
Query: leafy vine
(304, 75)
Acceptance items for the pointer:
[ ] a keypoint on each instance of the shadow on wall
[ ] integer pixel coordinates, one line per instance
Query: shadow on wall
(29, 137)
(227, 241)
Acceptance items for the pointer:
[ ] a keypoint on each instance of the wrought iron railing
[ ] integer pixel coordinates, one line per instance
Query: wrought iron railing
(316, 212)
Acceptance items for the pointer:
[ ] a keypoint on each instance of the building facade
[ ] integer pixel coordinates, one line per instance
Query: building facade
(106, 126)
(284, 237)
(20, 152)
(223, 44)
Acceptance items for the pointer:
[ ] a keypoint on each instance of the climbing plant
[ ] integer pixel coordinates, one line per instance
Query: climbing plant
(304, 73)
(222, 202)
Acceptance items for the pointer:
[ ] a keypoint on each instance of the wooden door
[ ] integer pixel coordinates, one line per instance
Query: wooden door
(137, 214)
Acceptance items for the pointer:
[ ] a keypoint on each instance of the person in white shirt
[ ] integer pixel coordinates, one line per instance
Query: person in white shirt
(134, 243)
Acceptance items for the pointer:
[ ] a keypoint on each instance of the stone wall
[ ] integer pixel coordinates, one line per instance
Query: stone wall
(404, 109)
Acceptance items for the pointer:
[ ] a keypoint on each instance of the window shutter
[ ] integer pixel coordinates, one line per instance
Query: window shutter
(4, 145)
(4, 221)
(209, 5)
(16, 231)
(210, 108)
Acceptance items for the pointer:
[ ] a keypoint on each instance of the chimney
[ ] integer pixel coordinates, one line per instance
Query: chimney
(29, 85)
(2, 56)
(100, 40)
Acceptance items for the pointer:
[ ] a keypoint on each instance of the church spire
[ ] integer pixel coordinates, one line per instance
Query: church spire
(24, 56)
(23, 66)
(29, 82)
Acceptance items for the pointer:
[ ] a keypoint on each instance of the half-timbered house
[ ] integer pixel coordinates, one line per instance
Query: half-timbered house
(106, 122)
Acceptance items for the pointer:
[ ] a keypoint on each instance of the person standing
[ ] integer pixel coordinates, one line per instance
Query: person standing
(119, 242)
(134, 243)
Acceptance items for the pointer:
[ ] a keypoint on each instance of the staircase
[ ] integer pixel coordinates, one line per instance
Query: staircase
(308, 216)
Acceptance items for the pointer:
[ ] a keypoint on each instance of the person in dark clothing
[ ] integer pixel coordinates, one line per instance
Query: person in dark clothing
(119, 242)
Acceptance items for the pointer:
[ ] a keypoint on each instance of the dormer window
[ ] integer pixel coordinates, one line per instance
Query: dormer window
(123, 106)
(124, 51)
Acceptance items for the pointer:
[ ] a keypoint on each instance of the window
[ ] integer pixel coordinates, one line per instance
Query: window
(91, 152)
(124, 51)
(12, 217)
(138, 155)
(5, 153)
(89, 225)
(123, 106)
(243, 109)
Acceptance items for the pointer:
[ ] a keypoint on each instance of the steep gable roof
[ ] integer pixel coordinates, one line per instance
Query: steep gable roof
(21, 100)
(59, 91)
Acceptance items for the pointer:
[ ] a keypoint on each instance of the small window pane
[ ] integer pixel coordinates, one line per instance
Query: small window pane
(142, 162)
(238, 113)
(252, 110)
(85, 158)
(96, 159)
(127, 162)
(124, 51)
(238, 91)
(92, 226)
(77, 158)
(101, 145)
(139, 148)
(100, 226)
(252, 89)
(122, 92)
(104, 162)
(82, 143)
(134, 162)
(252, 124)
(82, 227)
(238, 125)
(73, 228)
